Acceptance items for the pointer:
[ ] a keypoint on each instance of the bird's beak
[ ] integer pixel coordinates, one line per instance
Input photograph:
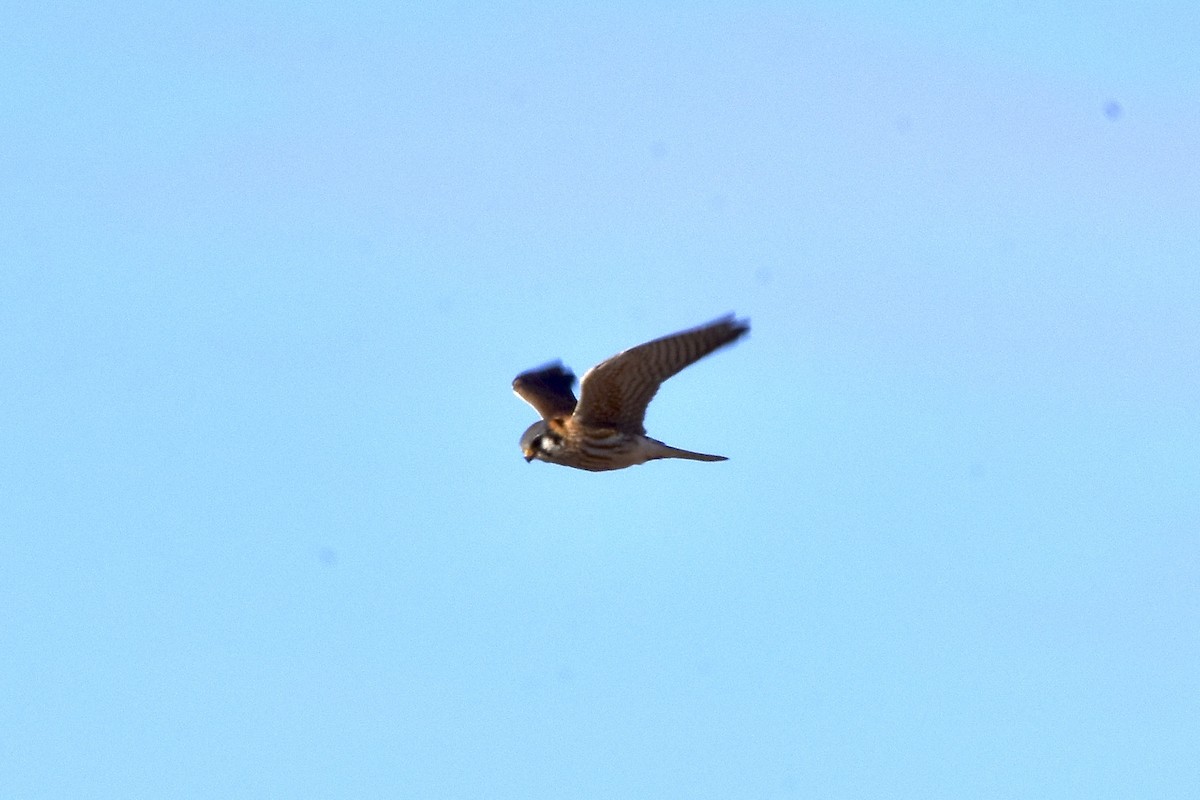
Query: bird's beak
(528, 456)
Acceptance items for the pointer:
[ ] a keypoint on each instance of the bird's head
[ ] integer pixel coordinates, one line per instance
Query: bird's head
(540, 441)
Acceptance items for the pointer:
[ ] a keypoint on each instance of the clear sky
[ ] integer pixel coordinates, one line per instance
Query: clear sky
(267, 271)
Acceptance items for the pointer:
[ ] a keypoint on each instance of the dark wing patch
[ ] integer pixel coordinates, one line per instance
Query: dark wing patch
(615, 393)
(548, 389)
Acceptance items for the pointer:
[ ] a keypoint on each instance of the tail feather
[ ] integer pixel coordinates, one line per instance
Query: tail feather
(675, 452)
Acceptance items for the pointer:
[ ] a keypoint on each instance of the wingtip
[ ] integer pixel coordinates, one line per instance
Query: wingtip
(740, 327)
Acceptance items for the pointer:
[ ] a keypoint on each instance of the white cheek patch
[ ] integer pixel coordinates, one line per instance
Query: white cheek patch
(549, 444)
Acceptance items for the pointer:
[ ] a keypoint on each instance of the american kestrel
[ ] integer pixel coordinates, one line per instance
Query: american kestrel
(603, 430)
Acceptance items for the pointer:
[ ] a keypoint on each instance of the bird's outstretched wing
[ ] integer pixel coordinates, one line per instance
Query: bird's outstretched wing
(615, 393)
(548, 389)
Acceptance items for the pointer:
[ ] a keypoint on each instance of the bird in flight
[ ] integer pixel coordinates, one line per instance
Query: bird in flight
(604, 429)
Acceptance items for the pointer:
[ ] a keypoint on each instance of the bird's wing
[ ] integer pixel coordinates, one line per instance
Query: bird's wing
(615, 393)
(547, 389)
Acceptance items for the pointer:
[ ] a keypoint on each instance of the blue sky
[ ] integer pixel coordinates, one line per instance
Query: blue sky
(267, 272)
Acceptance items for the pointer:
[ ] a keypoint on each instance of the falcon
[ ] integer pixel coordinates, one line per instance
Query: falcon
(604, 429)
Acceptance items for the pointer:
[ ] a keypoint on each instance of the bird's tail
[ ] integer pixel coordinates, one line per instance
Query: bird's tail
(674, 452)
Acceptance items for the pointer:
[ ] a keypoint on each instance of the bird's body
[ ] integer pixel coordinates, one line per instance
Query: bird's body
(566, 442)
(604, 429)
